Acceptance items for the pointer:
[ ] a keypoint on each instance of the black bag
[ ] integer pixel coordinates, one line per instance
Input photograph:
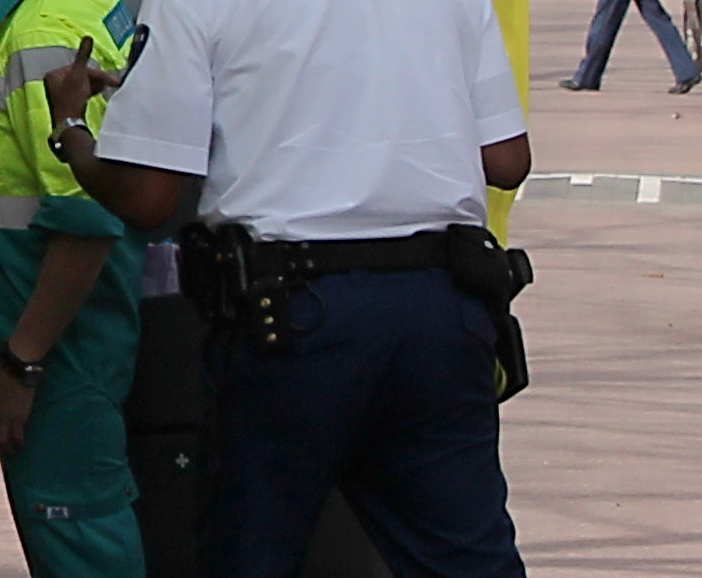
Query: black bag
(169, 417)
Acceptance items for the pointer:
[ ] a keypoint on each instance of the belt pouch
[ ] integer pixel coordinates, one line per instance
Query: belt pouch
(233, 246)
(478, 264)
(511, 354)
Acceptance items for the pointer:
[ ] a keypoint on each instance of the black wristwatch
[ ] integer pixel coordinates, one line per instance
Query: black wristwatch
(55, 143)
(30, 373)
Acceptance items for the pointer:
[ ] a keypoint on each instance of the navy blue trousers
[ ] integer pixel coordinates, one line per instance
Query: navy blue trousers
(388, 394)
(605, 24)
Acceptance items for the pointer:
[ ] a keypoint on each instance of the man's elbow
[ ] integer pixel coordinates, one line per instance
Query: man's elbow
(511, 179)
(507, 163)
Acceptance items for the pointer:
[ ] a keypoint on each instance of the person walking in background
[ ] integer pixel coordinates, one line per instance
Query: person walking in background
(605, 24)
(70, 282)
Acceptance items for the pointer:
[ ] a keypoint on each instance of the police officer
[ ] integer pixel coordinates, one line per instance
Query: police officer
(346, 148)
(69, 283)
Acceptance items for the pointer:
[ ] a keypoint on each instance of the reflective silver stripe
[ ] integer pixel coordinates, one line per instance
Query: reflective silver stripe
(32, 64)
(17, 212)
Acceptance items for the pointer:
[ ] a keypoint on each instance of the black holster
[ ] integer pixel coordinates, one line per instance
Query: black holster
(481, 267)
(218, 273)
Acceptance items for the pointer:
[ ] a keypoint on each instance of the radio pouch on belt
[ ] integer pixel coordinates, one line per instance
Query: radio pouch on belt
(478, 264)
(212, 272)
(197, 267)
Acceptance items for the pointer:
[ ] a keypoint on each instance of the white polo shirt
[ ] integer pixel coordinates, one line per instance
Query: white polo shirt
(320, 119)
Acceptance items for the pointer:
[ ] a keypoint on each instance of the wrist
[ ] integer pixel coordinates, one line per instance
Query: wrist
(56, 137)
(29, 373)
(60, 114)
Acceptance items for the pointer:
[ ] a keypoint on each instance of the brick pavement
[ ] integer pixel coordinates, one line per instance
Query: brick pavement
(604, 449)
(11, 558)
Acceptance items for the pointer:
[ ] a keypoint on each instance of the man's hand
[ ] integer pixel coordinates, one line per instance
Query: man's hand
(69, 88)
(15, 406)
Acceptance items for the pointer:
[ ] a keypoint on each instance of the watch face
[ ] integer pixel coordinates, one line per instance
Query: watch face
(33, 375)
(57, 148)
(29, 374)
(54, 139)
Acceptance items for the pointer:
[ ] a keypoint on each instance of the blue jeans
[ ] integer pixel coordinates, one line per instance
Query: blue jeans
(605, 24)
(388, 393)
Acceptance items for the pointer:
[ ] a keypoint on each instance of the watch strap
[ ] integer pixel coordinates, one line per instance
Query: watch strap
(30, 373)
(55, 143)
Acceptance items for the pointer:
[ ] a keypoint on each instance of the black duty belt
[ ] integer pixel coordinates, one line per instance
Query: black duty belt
(312, 258)
(234, 280)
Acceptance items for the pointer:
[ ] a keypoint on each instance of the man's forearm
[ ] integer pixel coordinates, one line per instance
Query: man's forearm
(141, 196)
(69, 271)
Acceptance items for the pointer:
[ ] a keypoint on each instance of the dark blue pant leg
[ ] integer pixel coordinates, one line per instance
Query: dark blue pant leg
(605, 24)
(658, 20)
(430, 490)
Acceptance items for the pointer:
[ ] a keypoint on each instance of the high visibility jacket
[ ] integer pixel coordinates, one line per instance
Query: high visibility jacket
(39, 196)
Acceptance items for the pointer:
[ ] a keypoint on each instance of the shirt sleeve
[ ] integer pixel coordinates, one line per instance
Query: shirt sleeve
(162, 114)
(494, 96)
(65, 207)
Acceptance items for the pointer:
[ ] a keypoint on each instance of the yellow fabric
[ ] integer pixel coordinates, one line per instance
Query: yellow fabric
(514, 19)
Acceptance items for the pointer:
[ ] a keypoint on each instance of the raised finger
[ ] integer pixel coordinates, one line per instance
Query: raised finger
(84, 51)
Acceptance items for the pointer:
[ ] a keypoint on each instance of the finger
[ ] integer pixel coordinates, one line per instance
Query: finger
(84, 51)
(100, 79)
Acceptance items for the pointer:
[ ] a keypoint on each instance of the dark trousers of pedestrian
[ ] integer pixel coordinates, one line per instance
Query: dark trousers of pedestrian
(388, 394)
(605, 24)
